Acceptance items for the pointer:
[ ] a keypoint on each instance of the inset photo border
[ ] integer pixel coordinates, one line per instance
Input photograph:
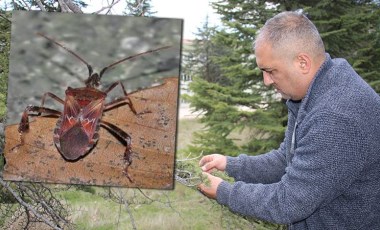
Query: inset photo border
(64, 128)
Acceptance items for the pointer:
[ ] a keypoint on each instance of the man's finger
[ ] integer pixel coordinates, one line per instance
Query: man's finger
(205, 159)
(207, 163)
(208, 167)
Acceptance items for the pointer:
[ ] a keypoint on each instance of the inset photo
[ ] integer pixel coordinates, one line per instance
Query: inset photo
(93, 99)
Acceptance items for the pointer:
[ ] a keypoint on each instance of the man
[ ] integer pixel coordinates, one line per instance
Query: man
(326, 173)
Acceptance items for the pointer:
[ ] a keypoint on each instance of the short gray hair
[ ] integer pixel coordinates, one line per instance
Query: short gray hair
(293, 32)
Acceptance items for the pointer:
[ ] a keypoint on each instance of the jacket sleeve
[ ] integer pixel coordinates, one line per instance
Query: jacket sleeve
(265, 168)
(328, 157)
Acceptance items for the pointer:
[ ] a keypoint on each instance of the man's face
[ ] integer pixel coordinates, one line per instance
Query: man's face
(279, 72)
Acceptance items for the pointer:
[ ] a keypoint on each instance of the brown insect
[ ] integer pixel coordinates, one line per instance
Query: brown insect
(77, 128)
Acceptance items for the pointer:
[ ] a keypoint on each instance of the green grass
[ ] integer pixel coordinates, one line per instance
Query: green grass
(182, 208)
(186, 127)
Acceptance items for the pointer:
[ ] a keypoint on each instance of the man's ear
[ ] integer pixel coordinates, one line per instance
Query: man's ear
(303, 63)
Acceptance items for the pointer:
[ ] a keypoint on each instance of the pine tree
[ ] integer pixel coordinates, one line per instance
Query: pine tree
(46, 5)
(206, 74)
(198, 56)
(349, 29)
(238, 100)
(5, 39)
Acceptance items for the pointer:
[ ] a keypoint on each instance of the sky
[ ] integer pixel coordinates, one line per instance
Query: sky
(194, 12)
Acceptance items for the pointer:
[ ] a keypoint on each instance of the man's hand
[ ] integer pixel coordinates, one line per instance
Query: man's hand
(207, 164)
(209, 190)
(213, 161)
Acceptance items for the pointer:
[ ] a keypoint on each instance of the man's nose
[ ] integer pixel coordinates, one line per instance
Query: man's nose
(268, 81)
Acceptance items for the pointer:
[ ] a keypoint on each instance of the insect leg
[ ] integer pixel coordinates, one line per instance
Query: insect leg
(119, 101)
(53, 96)
(125, 139)
(24, 123)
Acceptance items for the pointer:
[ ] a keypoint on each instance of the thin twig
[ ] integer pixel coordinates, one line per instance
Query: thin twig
(140, 5)
(190, 159)
(72, 6)
(29, 8)
(109, 10)
(107, 7)
(118, 216)
(27, 206)
(187, 181)
(40, 5)
(63, 5)
(37, 195)
(128, 210)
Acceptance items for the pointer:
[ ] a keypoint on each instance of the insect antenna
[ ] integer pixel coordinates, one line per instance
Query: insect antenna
(90, 70)
(129, 58)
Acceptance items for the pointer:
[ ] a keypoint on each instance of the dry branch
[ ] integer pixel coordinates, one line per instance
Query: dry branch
(29, 207)
(107, 7)
(40, 5)
(72, 6)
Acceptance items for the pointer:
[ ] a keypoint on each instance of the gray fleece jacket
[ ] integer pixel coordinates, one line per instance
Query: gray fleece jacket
(328, 177)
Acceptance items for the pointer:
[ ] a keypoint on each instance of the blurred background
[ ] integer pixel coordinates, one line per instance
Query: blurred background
(38, 66)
